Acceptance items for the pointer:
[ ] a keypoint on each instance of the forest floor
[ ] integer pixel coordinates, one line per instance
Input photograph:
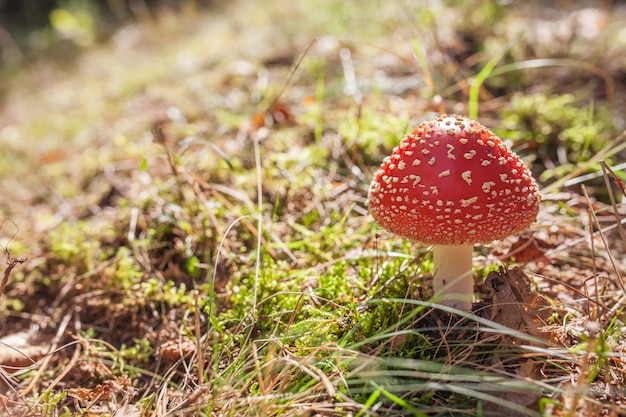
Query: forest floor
(185, 227)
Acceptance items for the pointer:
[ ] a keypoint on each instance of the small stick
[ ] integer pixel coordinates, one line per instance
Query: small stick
(11, 261)
(620, 183)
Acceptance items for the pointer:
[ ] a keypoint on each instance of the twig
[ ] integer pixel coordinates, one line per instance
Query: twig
(592, 312)
(291, 74)
(617, 180)
(11, 261)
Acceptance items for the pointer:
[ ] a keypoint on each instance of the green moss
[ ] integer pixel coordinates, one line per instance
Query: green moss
(76, 244)
(373, 133)
(316, 328)
(566, 130)
(169, 293)
(140, 351)
(123, 271)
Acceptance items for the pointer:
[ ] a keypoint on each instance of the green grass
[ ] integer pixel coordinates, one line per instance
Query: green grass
(227, 265)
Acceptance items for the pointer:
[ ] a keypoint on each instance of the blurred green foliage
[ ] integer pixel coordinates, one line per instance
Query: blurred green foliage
(565, 130)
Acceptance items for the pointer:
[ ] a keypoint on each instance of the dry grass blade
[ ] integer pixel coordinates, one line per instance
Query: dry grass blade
(607, 171)
(616, 146)
(607, 247)
(560, 62)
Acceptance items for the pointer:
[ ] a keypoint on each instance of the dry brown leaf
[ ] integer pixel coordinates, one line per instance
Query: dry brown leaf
(526, 250)
(106, 391)
(516, 305)
(174, 350)
(127, 411)
(18, 350)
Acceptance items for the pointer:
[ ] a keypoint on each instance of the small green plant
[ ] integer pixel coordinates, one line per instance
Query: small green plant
(75, 21)
(76, 245)
(45, 405)
(123, 271)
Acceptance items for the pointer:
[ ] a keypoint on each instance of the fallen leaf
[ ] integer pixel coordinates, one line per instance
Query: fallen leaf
(516, 305)
(127, 411)
(19, 350)
(174, 350)
(526, 250)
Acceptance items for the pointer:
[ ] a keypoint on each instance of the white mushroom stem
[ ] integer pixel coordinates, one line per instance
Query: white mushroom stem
(453, 280)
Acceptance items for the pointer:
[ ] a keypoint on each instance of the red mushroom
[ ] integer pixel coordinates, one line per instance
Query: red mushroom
(453, 183)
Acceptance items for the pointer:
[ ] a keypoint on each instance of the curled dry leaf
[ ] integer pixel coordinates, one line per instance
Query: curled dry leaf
(527, 249)
(19, 350)
(110, 390)
(516, 304)
(127, 410)
(174, 350)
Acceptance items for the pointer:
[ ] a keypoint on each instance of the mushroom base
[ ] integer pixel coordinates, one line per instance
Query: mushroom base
(453, 280)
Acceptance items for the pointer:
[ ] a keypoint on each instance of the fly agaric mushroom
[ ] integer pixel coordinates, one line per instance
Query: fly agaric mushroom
(453, 183)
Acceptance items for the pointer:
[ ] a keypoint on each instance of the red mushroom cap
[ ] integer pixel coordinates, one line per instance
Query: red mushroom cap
(450, 182)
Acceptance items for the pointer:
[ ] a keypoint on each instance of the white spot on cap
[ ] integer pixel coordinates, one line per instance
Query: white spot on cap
(468, 202)
(444, 173)
(467, 176)
(487, 186)
(450, 151)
